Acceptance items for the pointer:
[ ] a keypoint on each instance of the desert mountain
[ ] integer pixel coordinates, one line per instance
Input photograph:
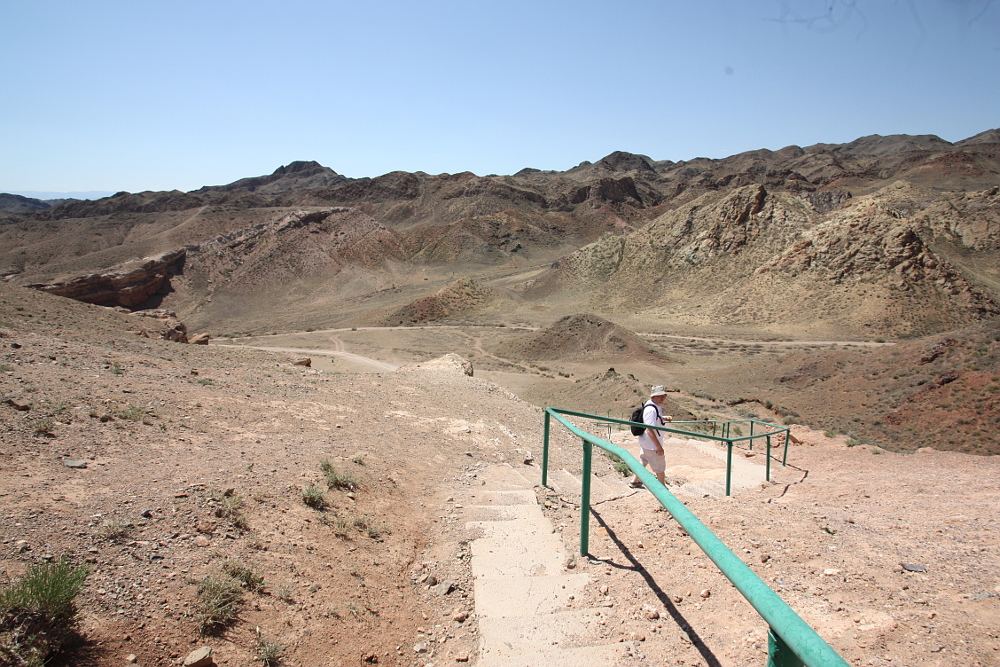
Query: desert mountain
(20, 204)
(883, 236)
(899, 262)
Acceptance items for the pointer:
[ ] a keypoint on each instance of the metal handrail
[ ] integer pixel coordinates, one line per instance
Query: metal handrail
(791, 641)
(607, 421)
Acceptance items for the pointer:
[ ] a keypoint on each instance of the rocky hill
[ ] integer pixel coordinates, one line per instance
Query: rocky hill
(882, 237)
(578, 336)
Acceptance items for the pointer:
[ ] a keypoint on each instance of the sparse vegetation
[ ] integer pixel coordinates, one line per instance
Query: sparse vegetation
(43, 426)
(269, 651)
(219, 601)
(313, 497)
(113, 529)
(129, 412)
(38, 613)
(339, 479)
(247, 575)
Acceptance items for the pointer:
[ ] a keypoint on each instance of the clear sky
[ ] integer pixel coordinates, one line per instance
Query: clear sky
(142, 95)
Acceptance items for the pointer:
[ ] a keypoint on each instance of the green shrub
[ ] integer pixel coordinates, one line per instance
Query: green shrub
(44, 426)
(269, 652)
(247, 575)
(338, 479)
(129, 412)
(38, 613)
(313, 497)
(219, 600)
(113, 529)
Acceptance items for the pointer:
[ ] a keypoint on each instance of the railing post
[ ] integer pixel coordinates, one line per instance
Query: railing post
(778, 653)
(585, 500)
(788, 437)
(768, 476)
(751, 435)
(545, 451)
(729, 467)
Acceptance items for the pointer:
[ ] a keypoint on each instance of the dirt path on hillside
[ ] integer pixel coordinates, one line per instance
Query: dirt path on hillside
(372, 365)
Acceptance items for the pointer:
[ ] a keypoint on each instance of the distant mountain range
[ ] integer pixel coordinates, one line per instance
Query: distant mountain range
(882, 236)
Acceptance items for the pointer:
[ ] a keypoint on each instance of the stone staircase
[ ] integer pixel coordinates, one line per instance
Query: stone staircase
(523, 589)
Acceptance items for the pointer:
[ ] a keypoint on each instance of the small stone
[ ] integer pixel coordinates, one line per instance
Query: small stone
(70, 463)
(201, 541)
(464, 657)
(911, 567)
(831, 572)
(460, 617)
(678, 599)
(132, 658)
(652, 613)
(201, 657)
(420, 648)
(705, 593)
(147, 514)
(764, 558)
(604, 589)
(528, 459)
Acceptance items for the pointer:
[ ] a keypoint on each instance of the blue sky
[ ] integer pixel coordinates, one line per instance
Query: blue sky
(140, 95)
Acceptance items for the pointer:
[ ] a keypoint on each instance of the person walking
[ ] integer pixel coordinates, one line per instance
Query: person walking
(651, 441)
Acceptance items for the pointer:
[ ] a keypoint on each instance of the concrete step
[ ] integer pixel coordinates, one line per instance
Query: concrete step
(489, 564)
(567, 484)
(526, 596)
(509, 497)
(511, 529)
(506, 636)
(584, 656)
(503, 477)
(504, 512)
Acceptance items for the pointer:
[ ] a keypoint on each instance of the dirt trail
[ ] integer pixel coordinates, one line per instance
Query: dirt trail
(374, 364)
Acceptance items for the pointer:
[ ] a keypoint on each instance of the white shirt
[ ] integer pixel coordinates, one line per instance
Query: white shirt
(655, 418)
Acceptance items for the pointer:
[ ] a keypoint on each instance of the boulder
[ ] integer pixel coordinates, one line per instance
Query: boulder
(200, 339)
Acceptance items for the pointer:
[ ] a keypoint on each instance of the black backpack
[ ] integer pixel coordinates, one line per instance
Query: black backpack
(637, 417)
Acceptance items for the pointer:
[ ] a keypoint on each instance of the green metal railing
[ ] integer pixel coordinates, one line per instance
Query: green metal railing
(721, 432)
(791, 641)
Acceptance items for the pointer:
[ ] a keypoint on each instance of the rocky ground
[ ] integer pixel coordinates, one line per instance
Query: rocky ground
(159, 464)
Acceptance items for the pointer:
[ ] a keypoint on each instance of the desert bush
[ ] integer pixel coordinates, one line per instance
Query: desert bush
(269, 652)
(313, 497)
(113, 529)
(338, 479)
(247, 575)
(44, 426)
(229, 507)
(219, 600)
(129, 412)
(38, 613)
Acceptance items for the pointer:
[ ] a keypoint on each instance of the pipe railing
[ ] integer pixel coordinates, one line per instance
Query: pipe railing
(791, 641)
(726, 439)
